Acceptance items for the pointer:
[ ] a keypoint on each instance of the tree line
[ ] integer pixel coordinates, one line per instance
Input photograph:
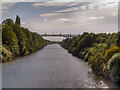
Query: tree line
(101, 51)
(19, 41)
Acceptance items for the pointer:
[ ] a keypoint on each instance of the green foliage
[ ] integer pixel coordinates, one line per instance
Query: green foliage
(100, 40)
(96, 62)
(6, 55)
(94, 48)
(101, 48)
(18, 20)
(21, 37)
(29, 40)
(19, 40)
(111, 41)
(8, 22)
(111, 52)
(9, 38)
(87, 56)
(114, 68)
(118, 40)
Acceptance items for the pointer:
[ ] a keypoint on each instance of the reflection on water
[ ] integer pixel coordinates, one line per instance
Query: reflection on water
(51, 67)
(54, 38)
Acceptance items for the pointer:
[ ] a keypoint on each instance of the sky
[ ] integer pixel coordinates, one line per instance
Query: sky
(70, 16)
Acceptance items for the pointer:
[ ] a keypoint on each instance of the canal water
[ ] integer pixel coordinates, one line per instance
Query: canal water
(51, 67)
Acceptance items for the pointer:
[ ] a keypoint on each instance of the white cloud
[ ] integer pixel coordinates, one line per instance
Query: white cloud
(53, 3)
(49, 14)
(83, 7)
(94, 18)
(63, 19)
(47, 4)
(65, 10)
(101, 5)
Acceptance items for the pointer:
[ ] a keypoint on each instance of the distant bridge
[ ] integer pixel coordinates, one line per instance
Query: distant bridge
(61, 35)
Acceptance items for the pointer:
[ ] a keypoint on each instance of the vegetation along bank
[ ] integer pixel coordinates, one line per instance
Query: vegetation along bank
(19, 41)
(102, 51)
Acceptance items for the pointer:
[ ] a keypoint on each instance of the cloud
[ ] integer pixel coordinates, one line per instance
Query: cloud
(54, 3)
(48, 15)
(64, 1)
(63, 19)
(89, 6)
(20, 0)
(60, 0)
(6, 6)
(48, 4)
(94, 18)
(72, 4)
(80, 17)
(100, 5)
(65, 10)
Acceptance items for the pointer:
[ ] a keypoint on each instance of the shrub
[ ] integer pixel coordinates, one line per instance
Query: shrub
(111, 52)
(96, 62)
(87, 56)
(6, 55)
(114, 68)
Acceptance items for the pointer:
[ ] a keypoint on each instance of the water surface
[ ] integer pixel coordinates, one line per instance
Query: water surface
(51, 67)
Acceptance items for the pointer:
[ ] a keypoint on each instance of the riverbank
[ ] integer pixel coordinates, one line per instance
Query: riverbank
(97, 50)
(19, 41)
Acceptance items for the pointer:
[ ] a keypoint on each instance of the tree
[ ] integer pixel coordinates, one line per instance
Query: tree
(87, 41)
(21, 38)
(8, 22)
(9, 38)
(118, 40)
(18, 20)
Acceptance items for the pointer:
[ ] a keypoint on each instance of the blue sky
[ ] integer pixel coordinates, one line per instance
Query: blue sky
(64, 17)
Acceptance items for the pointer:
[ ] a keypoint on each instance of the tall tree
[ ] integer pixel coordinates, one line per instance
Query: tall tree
(18, 20)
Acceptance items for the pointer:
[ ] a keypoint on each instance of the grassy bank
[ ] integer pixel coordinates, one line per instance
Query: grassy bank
(101, 51)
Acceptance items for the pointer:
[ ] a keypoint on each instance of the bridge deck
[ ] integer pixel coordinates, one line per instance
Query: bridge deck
(62, 35)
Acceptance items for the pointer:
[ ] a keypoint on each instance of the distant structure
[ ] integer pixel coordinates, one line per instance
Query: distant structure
(61, 35)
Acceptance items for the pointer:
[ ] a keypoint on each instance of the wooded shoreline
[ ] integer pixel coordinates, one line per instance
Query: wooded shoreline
(101, 51)
(19, 41)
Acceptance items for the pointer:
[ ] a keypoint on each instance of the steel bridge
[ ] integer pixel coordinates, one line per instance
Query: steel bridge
(61, 35)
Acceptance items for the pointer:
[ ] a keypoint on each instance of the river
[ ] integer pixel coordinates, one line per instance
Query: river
(51, 67)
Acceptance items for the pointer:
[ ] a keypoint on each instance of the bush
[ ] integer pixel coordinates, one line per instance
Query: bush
(111, 52)
(6, 55)
(96, 62)
(114, 68)
(87, 56)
